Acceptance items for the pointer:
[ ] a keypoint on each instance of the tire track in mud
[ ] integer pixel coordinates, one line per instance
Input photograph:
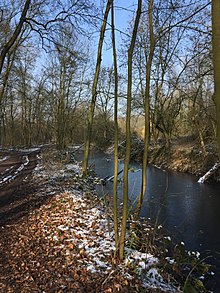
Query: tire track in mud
(16, 194)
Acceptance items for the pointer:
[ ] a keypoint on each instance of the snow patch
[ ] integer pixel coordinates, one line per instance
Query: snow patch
(209, 173)
(17, 171)
(4, 159)
(154, 280)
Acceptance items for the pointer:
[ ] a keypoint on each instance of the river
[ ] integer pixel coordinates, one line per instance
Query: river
(188, 210)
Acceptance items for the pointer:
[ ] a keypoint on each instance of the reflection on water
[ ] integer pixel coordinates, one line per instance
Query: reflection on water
(182, 204)
(189, 210)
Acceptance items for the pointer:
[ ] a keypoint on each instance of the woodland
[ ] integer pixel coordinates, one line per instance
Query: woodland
(57, 85)
(48, 63)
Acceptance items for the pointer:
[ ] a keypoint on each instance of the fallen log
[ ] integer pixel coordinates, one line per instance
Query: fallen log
(210, 173)
(109, 178)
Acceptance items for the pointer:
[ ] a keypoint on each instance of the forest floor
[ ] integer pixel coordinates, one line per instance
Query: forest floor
(57, 236)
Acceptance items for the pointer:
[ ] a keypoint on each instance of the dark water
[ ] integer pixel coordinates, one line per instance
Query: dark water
(187, 209)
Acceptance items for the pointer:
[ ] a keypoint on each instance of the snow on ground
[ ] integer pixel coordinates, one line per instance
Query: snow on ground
(30, 150)
(208, 174)
(12, 176)
(4, 159)
(80, 227)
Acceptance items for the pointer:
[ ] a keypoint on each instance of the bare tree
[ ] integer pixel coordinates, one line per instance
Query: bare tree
(40, 25)
(128, 133)
(147, 107)
(6, 47)
(115, 197)
(94, 87)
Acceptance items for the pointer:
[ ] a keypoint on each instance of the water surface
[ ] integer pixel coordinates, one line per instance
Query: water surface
(188, 210)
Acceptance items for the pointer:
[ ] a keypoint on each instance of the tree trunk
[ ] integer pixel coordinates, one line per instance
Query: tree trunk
(61, 111)
(128, 133)
(94, 88)
(147, 110)
(216, 61)
(2, 92)
(201, 137)
(115, 206)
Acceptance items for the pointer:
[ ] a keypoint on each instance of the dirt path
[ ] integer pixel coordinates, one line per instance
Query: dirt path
(15, 188)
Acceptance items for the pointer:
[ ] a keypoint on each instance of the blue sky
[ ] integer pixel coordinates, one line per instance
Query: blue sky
(123, 12)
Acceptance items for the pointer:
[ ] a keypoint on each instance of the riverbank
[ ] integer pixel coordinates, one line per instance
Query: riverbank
(185, 158)
(183, 155)
(66, 244)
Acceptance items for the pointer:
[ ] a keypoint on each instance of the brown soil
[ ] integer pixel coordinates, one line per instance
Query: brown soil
(15, 199)
(29, 261)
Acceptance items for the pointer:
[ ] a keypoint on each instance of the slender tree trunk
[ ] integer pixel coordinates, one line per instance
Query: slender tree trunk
(61, 131)
(15, 35)
(12, 124)
(94, 88)
(216, 61)
(29, 126)
(2, 92)
(128, 133)
(115, 197)
(201, 137)
(147, 109)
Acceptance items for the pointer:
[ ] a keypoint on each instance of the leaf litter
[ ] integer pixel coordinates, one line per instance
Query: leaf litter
(67, 244)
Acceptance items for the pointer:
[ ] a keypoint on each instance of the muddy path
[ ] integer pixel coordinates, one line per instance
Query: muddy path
(16, 187)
